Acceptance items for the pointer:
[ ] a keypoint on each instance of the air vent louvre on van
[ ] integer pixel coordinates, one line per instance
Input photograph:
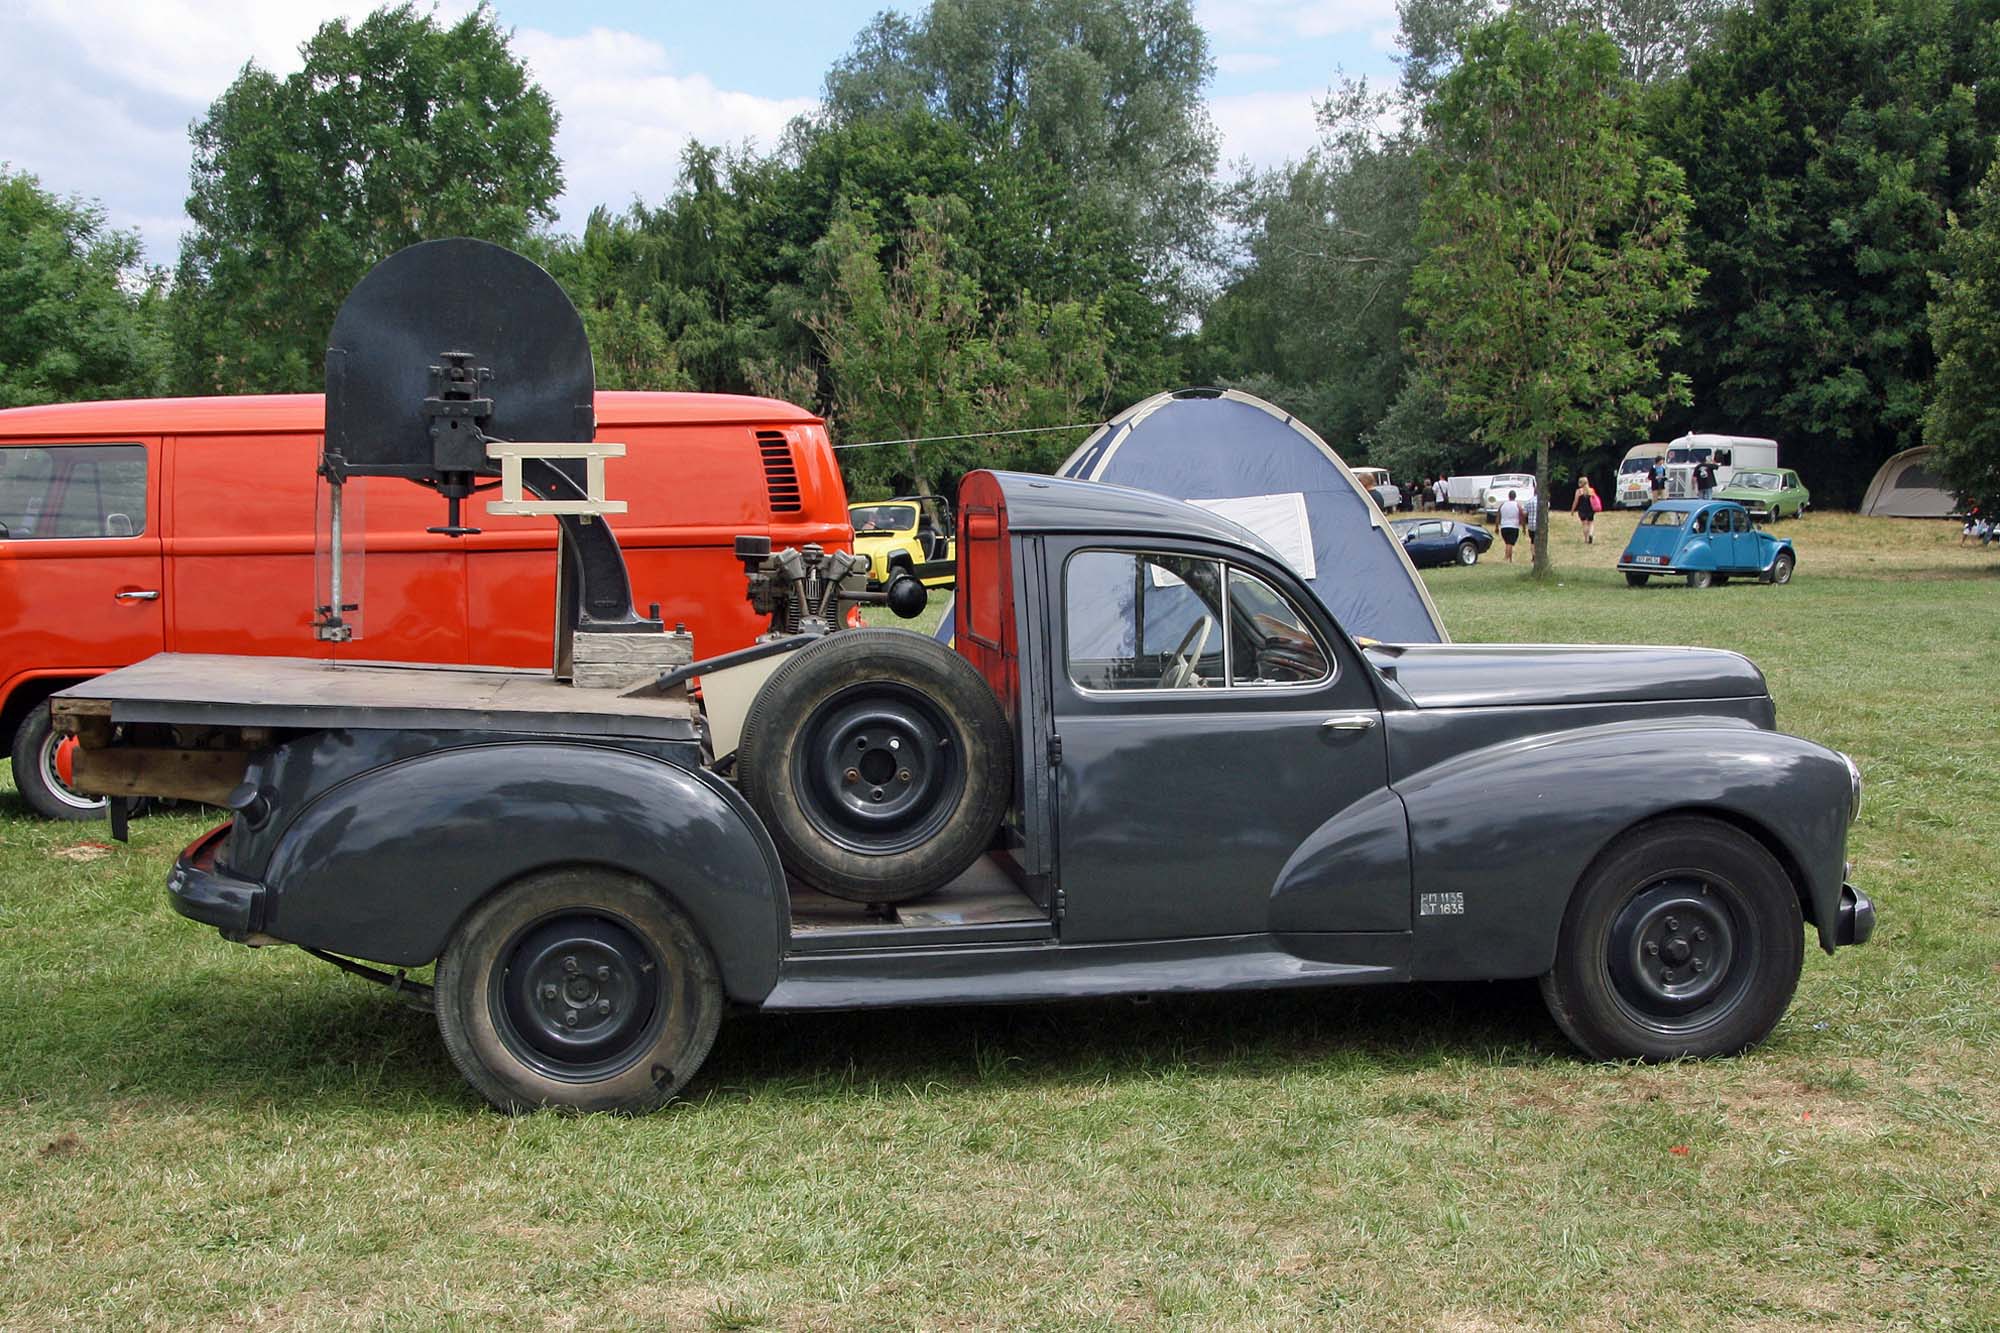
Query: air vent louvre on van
(781, 474)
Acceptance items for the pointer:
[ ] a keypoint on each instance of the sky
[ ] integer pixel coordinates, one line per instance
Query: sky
(96, 96)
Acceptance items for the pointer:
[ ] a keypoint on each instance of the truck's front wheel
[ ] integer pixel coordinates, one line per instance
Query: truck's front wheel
(580, 988)
(1685, 940)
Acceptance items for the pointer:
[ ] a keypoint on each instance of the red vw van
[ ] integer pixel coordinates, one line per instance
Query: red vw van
(187, 525)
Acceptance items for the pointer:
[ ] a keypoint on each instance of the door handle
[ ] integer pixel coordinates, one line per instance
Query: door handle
(138, 595)
(1348, 722)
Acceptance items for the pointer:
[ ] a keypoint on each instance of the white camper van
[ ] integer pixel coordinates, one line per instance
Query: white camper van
(1727, 452)
(1635, 485)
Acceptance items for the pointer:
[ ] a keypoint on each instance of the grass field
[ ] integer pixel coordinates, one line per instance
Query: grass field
(200, 1134)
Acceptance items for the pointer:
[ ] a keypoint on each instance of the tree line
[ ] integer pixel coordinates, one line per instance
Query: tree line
(1569, 226)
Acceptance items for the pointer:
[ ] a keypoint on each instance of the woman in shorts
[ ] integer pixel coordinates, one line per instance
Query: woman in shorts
(1510, 516)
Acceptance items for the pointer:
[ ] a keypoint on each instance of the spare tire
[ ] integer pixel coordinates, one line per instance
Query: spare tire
(879, 761)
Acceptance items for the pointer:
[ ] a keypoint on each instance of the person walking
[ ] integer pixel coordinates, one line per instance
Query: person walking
(1511, 516)
(1442, 492)
(1586, 506)
(1657, 474)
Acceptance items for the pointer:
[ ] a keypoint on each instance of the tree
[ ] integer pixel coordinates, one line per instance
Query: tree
(1108, 92)
(1555, 257)
(395, 131)
(82, 313)
(1963, 420)
(1825, 143)
(912, 352)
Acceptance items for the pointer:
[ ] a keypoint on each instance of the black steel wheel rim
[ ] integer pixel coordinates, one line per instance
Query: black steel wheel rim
(1682, 951)
(878, 769)
(578, 995)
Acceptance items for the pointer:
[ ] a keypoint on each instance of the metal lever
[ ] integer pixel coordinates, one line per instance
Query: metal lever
(147, 595)
(1348, 722)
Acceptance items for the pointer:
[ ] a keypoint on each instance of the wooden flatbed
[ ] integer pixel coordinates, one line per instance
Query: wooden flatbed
(222, 708)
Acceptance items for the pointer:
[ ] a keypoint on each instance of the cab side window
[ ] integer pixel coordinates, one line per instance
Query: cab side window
(1269, 641)
(72, 490)
(1144, 622)
(1136, 621)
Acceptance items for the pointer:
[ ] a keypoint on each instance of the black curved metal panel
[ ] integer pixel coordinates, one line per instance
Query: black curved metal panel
(458, 295)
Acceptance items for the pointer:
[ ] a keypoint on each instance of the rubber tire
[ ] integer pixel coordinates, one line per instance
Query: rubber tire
(1719, 581)
(1579, 991)
(1699, 578)
(1782, 567)
(1468, 552)
(464, 996)
(1636, 580)
(31, 782)
(783, 712)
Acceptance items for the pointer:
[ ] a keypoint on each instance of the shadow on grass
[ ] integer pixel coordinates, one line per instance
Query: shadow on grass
(305, 1042)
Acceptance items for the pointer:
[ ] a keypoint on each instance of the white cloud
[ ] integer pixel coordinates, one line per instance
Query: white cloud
(1267, 128)
(1248, 21)
(626, 115)
(1246, 62)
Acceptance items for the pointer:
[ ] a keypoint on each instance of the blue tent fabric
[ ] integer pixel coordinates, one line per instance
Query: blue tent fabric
(1249, 461)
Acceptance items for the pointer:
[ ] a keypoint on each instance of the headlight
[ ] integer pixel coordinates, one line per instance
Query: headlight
(1853, 787)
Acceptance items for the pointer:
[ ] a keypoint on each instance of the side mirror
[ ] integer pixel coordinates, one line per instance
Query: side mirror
(906, 597)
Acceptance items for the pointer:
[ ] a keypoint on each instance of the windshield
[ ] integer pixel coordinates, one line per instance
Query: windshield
(1632, 465)
(1516, 479)
(882, 518)
(1756, 481)
(1663, 518)
(1700, 455)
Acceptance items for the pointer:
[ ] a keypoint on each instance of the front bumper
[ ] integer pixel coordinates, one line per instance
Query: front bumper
(202, 892)
(1857, 917)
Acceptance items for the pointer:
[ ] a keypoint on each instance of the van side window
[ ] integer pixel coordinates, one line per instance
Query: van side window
(1144, 621)
(72, 490)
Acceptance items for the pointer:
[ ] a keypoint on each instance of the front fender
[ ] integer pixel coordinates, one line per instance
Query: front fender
(384, 865)
(1513, 827)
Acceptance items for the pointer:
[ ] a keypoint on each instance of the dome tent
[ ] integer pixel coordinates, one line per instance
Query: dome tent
(1905, 487)
(1249, 461)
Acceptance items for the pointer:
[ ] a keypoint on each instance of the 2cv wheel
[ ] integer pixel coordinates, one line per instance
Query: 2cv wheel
(1635, 579)
(1700, 578)
(1685, 940)
(880, 762)
(579, 988)
(1781, 568)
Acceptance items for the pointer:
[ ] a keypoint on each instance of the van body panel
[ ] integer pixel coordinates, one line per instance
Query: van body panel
(228, 539)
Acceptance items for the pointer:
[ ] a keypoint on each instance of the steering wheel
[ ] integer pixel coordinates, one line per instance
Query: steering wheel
(1180, 663)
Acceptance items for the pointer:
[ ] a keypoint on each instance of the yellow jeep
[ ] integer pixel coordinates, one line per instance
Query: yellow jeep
(910, 532)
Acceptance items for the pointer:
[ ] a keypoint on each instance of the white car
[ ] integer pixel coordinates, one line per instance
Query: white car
(1521, 483)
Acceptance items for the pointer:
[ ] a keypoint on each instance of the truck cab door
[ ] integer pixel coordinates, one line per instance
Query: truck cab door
(1222, 767)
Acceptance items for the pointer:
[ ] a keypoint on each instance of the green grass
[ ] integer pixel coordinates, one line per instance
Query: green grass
(200, 1134)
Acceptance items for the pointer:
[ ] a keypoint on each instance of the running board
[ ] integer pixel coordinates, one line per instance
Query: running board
(1016, 973)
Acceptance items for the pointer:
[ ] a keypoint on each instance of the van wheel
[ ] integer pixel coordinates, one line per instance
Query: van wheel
(879, 761)
(580, 988)
(1636, 580)
(35, 776)
(1685, 940)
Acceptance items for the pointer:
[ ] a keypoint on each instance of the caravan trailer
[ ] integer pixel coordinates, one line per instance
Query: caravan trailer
(1726, 452)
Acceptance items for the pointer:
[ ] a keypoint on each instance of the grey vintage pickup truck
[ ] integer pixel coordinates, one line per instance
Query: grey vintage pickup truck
(1206, 785)
(1150, 761)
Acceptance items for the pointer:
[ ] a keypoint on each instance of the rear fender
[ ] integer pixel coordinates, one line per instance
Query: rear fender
(383, 866)
(1501, 837)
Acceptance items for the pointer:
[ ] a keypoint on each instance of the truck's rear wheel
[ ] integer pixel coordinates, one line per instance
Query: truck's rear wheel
(581, 988)
(1685, 940)
(35, 775)
(880, 762)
